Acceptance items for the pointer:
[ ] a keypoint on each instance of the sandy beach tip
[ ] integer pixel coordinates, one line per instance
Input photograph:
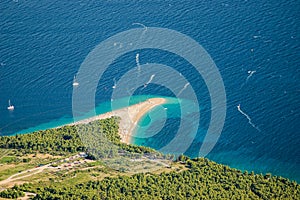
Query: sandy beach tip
(129, 117)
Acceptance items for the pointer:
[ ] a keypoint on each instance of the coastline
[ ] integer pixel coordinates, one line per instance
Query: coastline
(130, 116)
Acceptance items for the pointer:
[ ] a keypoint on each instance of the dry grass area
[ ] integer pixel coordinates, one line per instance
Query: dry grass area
(42, 156)
(19, 172)
(74, 169)
(16, 165)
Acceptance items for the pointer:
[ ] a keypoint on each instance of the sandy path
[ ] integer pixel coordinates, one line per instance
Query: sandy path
(20, 175)
(129, 117)
(30, 172)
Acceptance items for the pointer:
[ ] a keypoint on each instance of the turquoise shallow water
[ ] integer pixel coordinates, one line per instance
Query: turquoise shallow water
(160, 128)
(43, 43)
(99, 109)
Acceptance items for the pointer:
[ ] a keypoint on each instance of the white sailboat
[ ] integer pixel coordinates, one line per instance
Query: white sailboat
(115, 84)
(10, 107)
(75, 83)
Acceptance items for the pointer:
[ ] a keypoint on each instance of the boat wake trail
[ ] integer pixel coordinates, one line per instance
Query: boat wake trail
(184, 87)
(137, 60)
(250, 74)
(247, 116)
(151, 78)
(140, 24)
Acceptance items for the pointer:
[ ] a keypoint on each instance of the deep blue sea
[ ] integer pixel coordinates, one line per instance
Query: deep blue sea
(255, 45)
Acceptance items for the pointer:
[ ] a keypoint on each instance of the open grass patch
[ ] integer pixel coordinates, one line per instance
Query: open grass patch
(8, 159)
(6, 172)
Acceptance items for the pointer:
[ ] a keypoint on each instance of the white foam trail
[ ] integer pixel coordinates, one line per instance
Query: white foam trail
(267, 41)
(151, 78)
(129, 91)
(137, 59)
(140, 24)
(247, 116)
(250, 74)
(248, 77)
(184, 87)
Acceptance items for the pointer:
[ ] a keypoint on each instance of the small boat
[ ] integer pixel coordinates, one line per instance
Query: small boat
(75, 83)
(10, 107)
(115, 84)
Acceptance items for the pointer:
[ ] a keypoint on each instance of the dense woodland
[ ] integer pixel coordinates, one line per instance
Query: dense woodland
(68, 139)
(203, 179)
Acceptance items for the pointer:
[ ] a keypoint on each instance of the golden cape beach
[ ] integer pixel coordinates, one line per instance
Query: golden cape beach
(129, 117)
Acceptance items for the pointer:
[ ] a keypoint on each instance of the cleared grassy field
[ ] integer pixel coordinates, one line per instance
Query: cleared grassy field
(50, 170)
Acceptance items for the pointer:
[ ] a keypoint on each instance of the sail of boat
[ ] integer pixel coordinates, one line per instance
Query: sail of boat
(10, 107)
(75, 83)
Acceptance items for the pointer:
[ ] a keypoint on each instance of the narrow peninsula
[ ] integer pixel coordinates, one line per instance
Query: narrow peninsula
(129, 116)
